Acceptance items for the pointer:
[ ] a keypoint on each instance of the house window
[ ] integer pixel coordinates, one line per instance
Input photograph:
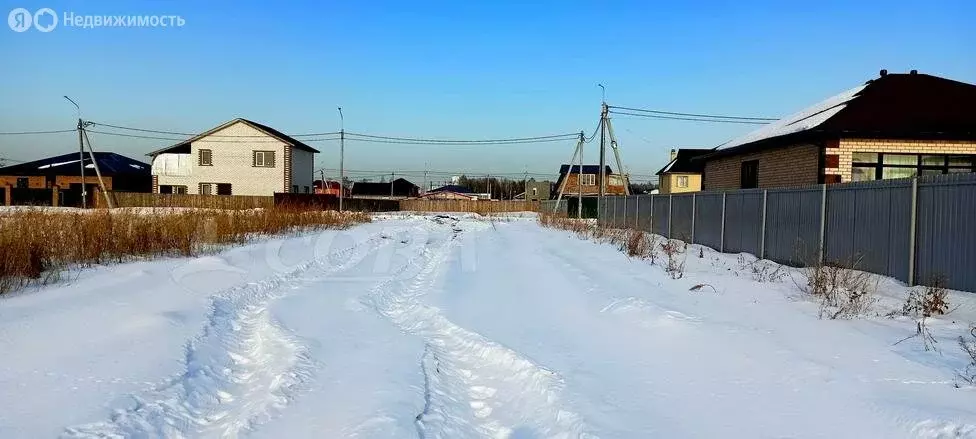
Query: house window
(223, 189)
(294, 189)
(206, 157)
(867, 166)
(206, 188)
(683, 181)
(749, 174)
(171, 189)
(588, 179)
(22, 183)
(535, 191)
(264, 159)
(306, 189)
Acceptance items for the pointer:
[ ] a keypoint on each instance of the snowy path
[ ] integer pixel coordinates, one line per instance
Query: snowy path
(453, 327)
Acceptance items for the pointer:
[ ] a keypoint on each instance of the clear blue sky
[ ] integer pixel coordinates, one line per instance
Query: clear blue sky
(478, 69)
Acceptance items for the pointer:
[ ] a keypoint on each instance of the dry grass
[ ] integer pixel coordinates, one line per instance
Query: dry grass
(968, 346)
(36, 245)
(843, 293)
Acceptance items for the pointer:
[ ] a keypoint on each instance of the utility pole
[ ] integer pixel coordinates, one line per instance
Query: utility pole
(325, 184)
(81, 152)
(98, 172)
(489, 186)
(426, 165)
(579, 177)
(392, 177)
(342, 156)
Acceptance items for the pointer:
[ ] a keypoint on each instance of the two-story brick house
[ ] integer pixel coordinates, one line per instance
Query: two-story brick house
(894, 126)
(239, 157)
(573, 182)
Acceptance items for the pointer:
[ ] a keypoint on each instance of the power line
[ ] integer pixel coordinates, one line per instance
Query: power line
(693, 119)
(713, 116)
(23, 133)
(144, 130)
(404, 142)
(554, 137)
(139, 136)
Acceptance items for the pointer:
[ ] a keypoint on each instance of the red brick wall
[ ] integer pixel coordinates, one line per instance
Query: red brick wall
(797, 165)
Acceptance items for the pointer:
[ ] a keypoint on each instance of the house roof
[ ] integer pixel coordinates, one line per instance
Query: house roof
(897, 106)
(683, 163)
(452, 188)
(401, 187)
(258, 126)
(109, 163)
(587, 169)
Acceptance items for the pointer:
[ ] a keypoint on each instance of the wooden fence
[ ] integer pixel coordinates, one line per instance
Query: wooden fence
(482, 207)
(237, 202)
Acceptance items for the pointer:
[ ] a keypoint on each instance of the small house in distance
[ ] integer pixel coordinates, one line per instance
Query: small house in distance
(587, 181)
(450, 192)
(395, 190)
(682, 174)
(536, 190)
(119, 173)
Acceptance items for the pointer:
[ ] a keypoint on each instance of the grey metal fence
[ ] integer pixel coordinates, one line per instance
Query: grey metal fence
(919, 231)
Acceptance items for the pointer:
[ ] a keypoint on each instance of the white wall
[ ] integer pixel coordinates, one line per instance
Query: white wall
(233, 163)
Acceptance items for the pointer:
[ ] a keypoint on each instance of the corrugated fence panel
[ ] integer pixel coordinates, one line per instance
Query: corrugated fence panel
(793, 225)
(644, 212)
(743, 221)
(620, 219)
(601, 212)
(868, 226)
(946, 242)
(681, 211)
(662, 214)
(633, 201)
(708, 220)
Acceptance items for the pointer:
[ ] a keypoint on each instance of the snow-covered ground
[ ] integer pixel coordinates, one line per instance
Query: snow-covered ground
(457, 327)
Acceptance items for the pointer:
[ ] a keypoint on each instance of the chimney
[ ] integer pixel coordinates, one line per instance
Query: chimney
(913, 72)
(674, 153)
(884, 72)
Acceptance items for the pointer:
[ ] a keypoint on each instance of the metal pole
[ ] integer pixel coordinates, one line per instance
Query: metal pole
(579, 178)
(652, 214)
(762, 231)
(392, 177)
(670, 216)
(912, 233)
(81, 161)
(342, 156)
(721, 244)
(81, 151)
(636, 212)
(821, 253)
(694, 205)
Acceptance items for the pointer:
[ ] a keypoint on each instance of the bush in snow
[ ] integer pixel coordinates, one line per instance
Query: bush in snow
(969, 347)
(930, 301)
(674, 251)
(843, 293)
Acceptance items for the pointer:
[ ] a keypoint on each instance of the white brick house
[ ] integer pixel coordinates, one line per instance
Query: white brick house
(239, 157)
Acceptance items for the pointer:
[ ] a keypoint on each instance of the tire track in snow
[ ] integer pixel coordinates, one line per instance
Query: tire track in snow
(239, 371)
(473, 387)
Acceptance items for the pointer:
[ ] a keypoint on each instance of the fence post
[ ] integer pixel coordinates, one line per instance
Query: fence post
(912, 233)
(670, 216)
(762, 231)
(822, 251)
(721, 233)
(694, 205)
(7, 196)
(54, 196)
(636, 212)
(651, 226)
(614, 212)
